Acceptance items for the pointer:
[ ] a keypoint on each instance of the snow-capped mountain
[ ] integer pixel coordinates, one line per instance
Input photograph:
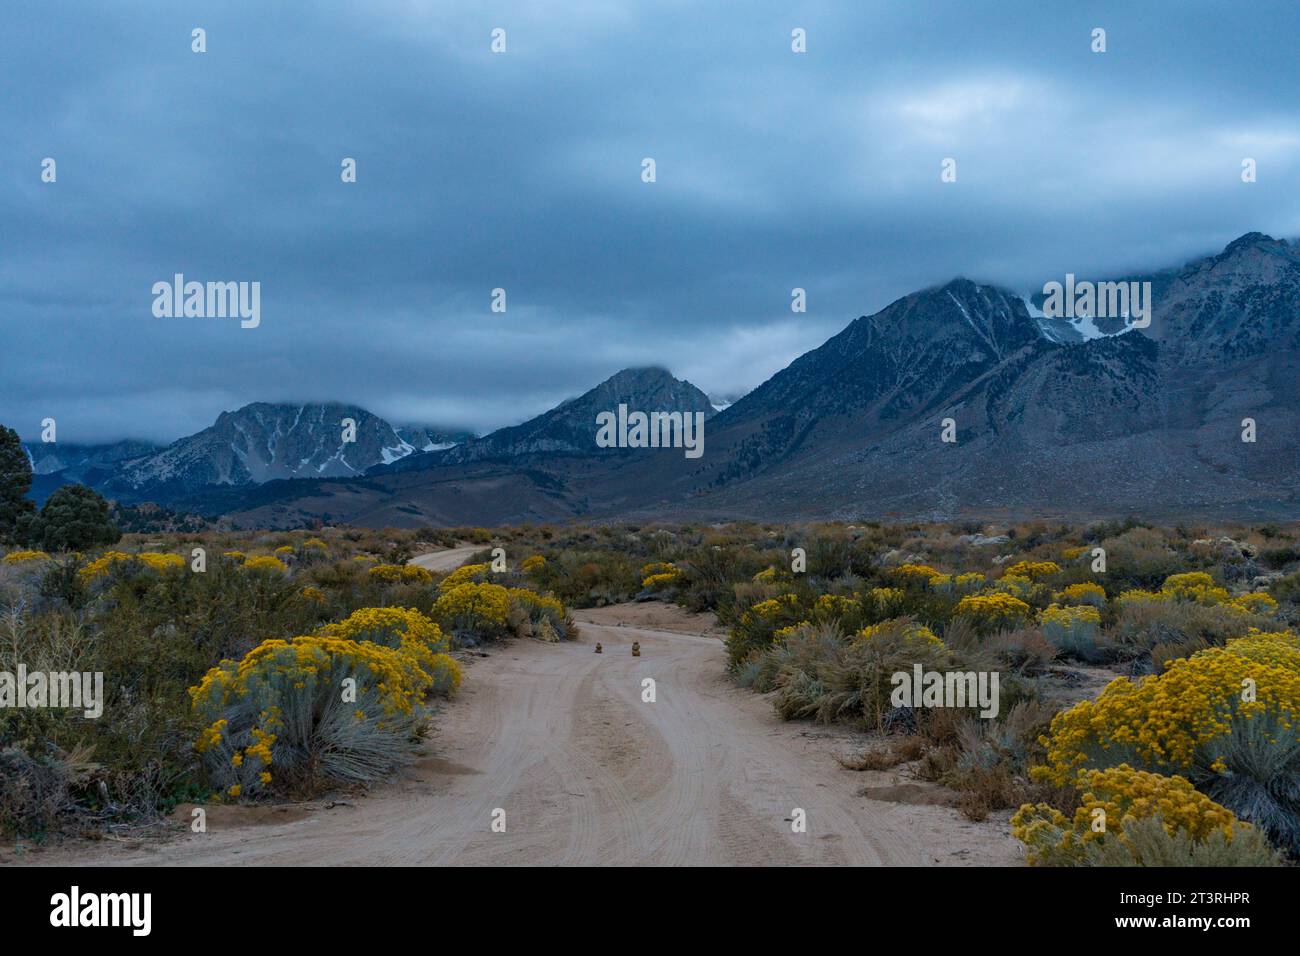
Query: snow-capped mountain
(262, 442)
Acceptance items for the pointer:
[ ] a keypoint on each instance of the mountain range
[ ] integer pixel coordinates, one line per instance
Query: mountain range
(1048, 417)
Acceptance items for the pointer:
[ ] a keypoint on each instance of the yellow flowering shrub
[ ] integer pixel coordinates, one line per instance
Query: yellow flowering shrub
(150, 559)
(401, 629)
(658, 575)
(832, 607)
(400, 574)
(1225, 718)
(1017, 586)
(316, 544)
(265, 563)
(284, 549)
(1085, 593)
(904, 630)
(465, 574)
(1034, 570)
(533, 563)
(766, 576)
(1196, 587)
(993, 610)
(758, 627)
(1257, 602)
(536, 615)
(445, 676)
(915, 573)
(473, 611)
(19, 557)
(957, 583)
(1113, 799)
(321, 710)
(1074, 627)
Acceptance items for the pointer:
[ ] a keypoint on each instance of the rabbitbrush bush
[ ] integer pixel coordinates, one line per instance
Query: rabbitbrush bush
(408, 631)
(1073, 629)
(1130, 817)
(1225, 718)
(282, 714)
(991, 612)
(823, 675)
(400, 574)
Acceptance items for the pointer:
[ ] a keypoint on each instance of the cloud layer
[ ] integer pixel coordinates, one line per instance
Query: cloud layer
(522, 171)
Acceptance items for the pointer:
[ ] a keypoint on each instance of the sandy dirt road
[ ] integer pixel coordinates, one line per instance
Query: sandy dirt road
(588, 773)
(448, 560)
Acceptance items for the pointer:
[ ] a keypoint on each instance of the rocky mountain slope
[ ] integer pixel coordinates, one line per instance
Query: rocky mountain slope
(264, 442)
(568, 429)
(1087, 420)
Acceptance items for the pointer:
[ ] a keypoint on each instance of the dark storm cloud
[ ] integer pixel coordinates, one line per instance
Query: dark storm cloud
(522, 171)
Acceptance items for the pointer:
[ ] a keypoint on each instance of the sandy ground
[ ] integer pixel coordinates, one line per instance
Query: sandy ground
(588, 772)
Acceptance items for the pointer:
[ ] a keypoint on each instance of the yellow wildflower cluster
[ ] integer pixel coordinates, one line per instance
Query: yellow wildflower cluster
(1034, 570)
(1183, 716)
(920, 573)
(409, 632)
(536, 605)
(469, 603)
(400, 574)
(1018, 586)
(244, 702)
(533, 563)
(993, 609)
(1256, 602)
(1113, 798)
(150, 559)
(1085, 593)
(766, 610)
(465, 574)
(316, 543)
(1073, 554)
(1070, 624)
(390, 626)
(910, 631)
(832, 607)
(265, 563)
(234, 555)
(1197, 587)
(659, 574)
(284, 549)
(18, 557)
(315, 595)
(766, 576)
(957, 583)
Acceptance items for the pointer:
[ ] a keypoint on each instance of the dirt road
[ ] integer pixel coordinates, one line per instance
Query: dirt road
(588, 772)
(448, 560)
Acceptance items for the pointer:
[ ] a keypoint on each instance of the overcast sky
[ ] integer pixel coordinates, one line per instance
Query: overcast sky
(522, 170)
